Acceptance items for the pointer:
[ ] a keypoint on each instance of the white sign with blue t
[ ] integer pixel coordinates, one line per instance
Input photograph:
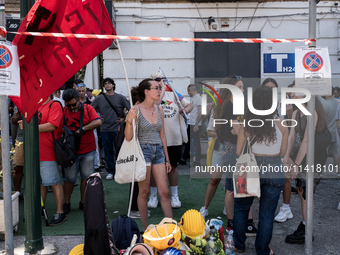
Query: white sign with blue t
(279, 63)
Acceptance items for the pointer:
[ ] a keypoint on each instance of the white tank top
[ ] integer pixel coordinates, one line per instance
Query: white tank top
(271, 149)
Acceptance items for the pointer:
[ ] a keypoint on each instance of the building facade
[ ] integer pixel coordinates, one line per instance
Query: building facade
(184, 61)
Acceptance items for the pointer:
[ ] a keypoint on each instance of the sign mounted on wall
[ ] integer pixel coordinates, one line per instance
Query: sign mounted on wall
(279, 63)
(313, 70)
(9, 70)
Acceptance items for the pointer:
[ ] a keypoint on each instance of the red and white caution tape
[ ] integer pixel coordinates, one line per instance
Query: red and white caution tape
(164, 39)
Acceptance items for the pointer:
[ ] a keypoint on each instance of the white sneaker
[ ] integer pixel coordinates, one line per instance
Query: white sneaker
(224, 211)
(284, 215)
(175, 203)
(339, 206)
(153, 201)
(109, 176)
(204, 211)
(136, 214)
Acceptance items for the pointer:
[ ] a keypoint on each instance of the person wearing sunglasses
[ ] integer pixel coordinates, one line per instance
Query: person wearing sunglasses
(81, 88)
(111, 107)
(86, 153)
(176, 135)
(151, 136)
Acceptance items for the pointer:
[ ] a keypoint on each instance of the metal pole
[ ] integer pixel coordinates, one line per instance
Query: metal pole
(6, 164)
(6, 176)
(310, 139)
(33, 227)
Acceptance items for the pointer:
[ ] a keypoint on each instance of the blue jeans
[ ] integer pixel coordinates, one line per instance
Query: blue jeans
(271, 187)
(84, 164)
(110, 147)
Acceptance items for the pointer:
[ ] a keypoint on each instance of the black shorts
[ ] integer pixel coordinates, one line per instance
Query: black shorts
(174, 153)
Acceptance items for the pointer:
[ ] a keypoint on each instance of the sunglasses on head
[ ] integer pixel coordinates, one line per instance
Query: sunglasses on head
(160, 78)
(71, 105)
(81, 85)
(238, 77)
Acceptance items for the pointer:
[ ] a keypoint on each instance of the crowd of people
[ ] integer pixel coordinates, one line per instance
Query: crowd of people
(167, 137)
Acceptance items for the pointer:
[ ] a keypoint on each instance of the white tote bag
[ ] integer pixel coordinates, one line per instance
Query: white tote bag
(246, 178)
(128, 161)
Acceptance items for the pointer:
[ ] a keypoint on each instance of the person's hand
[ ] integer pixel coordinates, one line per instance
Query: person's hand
(168, 167)
(20, 124)
(131, 114)
(294, 170)
(195, 128)
(287, 173)
(119, 120)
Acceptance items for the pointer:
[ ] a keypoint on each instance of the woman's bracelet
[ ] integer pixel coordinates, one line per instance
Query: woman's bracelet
(129, 123)
(295, 164)
(167, 161)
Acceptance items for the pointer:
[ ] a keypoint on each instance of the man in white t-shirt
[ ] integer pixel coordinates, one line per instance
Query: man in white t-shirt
(195, 121)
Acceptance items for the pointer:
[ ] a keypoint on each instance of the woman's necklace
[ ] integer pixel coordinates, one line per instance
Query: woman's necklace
(153, 109)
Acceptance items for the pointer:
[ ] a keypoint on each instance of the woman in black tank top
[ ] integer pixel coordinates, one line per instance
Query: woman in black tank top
(297, 160)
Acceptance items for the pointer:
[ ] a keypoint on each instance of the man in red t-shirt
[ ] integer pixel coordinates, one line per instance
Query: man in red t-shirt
(87, 149)
(50, 119)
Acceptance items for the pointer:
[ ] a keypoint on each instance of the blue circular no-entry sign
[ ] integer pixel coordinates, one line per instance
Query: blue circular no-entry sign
(312, 61)
(5, 57)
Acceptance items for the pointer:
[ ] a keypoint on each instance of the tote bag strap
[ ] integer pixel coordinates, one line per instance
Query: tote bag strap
(247, 145)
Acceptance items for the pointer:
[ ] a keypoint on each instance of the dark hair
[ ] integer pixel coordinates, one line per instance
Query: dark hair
(192, 86)
(111, 81)
(69, 94)
(225, 96)
(262, 100)
(291, 85)
(321, 125)
(77, 81)
(269, 80)
(137, 93)
(335, 89)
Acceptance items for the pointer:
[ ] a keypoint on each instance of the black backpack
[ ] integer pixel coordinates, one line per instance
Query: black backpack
(123, 230)
(65, 148)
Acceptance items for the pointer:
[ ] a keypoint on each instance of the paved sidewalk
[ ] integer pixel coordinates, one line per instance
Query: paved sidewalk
(326, 225)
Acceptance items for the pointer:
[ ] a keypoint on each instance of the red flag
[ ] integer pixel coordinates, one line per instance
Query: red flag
(46, 63)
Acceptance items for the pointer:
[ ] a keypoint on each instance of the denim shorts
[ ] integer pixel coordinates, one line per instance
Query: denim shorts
(49, 173)
(84, 164)
(153, 154)
(224, 156)
(333, 148)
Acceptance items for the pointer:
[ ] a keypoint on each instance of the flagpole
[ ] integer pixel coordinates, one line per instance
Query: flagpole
(32, 207)
(134, 129)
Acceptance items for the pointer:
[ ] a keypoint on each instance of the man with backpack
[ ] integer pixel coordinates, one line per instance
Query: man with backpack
(111, 108)
(50, 120)
(81, 119)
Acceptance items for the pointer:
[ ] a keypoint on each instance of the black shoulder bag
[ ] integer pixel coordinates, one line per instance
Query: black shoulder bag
(120, 135)
(65, 148)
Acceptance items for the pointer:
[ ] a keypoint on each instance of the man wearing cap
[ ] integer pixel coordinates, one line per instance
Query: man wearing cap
(111, 107)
